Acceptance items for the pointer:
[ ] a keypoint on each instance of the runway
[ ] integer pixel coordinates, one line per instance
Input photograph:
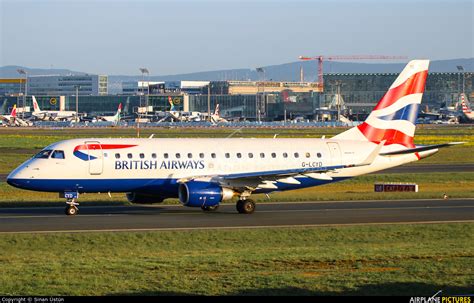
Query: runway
(287, 214)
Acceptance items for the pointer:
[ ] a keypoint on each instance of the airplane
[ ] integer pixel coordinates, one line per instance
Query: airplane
(216, 118)
(9, 119)
(466, 110)
(51, 115)
(13, 120)
(203, 172)
(115, 118)
(182, 116)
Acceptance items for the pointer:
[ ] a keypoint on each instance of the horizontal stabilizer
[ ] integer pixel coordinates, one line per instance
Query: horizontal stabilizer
(420, 149)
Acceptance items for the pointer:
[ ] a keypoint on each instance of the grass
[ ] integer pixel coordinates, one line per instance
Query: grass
(411, 260)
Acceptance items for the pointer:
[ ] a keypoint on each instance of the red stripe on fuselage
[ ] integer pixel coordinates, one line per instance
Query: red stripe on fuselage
(413, 85)
(101, 146)
(391, 136)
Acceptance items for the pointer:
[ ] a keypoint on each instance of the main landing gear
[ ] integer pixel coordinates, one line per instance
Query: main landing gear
(245, 206)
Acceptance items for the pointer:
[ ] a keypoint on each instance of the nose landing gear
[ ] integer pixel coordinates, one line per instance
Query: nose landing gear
(71, 209)
(71, 201)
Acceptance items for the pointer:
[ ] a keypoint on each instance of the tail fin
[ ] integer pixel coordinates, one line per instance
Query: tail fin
(465, 108)
(36, 107)
(216, 112)
(172, 109)
(13, 113)
(119, 110)
(393, 118)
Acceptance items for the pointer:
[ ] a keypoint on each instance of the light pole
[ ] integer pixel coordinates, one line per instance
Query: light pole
(209, 102)
(77, 101)
(144, 71)
(461, 69)
(23, 72)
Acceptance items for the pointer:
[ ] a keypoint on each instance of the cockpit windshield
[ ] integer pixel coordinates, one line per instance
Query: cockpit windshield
(44, 154)
(57, 154)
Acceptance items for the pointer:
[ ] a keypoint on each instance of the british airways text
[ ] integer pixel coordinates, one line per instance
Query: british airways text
(167, 164)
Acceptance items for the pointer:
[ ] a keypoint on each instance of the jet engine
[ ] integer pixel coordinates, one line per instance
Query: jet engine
(203, 194)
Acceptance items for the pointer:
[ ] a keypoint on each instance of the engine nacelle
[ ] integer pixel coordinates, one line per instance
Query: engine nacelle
(198, 194)
(141, 198)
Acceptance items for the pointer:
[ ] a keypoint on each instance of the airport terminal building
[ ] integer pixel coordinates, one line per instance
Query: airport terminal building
(238, 100)
(87, 85)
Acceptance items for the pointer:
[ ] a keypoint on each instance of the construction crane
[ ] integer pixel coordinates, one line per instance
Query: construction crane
(357, 57)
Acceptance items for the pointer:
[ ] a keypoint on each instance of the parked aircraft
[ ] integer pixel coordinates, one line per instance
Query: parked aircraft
(466, 110)
(51, 115)
(216, 118)
(204, 172)
(13, 120)
(115, 118)
(182, 116)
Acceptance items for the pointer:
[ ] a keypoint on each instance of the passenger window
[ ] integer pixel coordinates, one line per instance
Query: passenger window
(213, 155)
(227, 155)
(319, 155)
(201, 155)
(165, 155)
(297, 155)
(308, 155)
(262, 155)
(250, 155)
(239, 155)
(178, 155)
(153, 156)
(285, 155)
(274, 155)
(129, 156)
(117, 156)
(190, 155)
(58, 154)
(44, 154)
(142, 156)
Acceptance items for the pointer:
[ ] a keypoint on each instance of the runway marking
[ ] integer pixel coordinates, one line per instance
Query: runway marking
(232, 227)
(260, 203)
(260, 211)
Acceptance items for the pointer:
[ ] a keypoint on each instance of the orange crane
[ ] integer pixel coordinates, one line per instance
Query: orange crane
(356, 57)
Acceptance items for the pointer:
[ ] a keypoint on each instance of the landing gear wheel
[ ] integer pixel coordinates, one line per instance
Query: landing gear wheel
(245, 206)
(71, 210)
(210, 208)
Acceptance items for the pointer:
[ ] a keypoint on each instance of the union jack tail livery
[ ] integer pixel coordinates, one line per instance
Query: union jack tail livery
(393, 118)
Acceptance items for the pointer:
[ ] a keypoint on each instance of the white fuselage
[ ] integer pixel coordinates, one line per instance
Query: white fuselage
(156, 165)
(54, 115)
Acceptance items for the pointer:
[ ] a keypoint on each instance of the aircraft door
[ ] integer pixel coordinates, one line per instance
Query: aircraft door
(335, 152)
(96, 157)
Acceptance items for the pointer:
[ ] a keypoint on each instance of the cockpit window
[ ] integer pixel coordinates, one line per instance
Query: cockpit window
(58, 154)
(44, 154)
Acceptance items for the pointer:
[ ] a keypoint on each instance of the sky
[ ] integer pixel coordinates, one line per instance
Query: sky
(184, 36)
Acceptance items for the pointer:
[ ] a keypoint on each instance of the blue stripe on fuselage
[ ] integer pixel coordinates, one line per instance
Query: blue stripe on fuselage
(164, 187)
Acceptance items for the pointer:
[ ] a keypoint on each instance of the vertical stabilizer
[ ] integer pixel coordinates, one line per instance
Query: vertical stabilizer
(394, 117)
